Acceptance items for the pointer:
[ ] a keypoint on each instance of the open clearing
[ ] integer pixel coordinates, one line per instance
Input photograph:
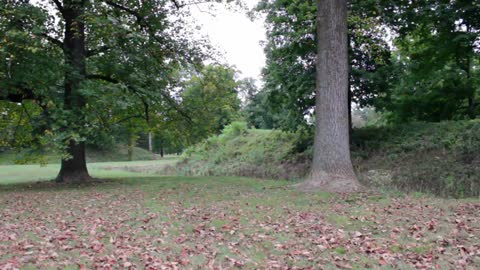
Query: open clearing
(14, 174)
(166, 222)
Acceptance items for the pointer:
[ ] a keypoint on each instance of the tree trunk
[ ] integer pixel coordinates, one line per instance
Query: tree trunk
(350, 113)
(161, 150)
(131, 145)
(472, 107)
(350, 90)
(150, 144)
(74, 169)
(332, 168)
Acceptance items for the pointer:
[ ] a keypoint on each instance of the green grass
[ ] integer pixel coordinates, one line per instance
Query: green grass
(143, 219)
(11, 174)
(118, 153)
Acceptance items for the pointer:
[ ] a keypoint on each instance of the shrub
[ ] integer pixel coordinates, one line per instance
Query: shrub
(235, 129)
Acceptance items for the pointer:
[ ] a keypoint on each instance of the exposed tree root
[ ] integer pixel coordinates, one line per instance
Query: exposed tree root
(329, 182)
(74, 177)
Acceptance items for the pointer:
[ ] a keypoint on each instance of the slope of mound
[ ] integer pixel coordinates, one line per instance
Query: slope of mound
(439, 158)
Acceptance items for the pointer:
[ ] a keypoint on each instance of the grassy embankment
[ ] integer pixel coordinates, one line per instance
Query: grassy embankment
(439, 158)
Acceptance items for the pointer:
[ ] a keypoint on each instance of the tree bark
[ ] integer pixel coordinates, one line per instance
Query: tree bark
(74, 169)
(349, 87)
(472, 107)
(332, 168)
(350, 113)
(161, 150)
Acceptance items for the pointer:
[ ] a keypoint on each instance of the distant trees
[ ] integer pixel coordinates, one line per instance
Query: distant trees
(207, 99)
(437, 64)
(211, 99)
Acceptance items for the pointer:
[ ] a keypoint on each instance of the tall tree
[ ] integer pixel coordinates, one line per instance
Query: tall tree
(332, 169)
(74, 169)
(81, 61)
(291, 51)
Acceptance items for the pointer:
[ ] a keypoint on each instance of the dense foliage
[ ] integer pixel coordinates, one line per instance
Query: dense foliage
(128, 70)
(415, 61)
(91, 66)
(288, 96)
(212, 101)
(437, 61)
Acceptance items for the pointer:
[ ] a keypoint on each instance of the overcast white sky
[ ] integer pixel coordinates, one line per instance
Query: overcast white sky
(234, 34)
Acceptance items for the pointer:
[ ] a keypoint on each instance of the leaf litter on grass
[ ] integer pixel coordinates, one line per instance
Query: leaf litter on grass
(189, 223)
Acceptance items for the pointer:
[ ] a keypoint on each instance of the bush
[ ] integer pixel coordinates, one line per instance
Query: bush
(235, 129)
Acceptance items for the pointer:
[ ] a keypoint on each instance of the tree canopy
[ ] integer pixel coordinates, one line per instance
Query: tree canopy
(84, 63)
(291, 58)
(414, 61)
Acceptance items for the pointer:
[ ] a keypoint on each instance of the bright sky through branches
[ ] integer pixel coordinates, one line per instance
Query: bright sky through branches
(234, 34)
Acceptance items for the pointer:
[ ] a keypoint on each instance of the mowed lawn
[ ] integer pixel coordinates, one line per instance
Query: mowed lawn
(141, 221)
(14, 174)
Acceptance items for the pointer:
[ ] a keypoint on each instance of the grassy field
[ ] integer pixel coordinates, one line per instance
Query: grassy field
(11, 174)
(138, 220)
(118, 153)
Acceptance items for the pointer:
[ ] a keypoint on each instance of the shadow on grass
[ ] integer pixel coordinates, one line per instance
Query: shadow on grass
(52, 185)
(151, 183)
(40, 185)
(96, 183)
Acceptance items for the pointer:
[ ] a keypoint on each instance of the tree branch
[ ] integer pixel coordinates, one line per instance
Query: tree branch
(53, 40)
(97, 51)
(146, 107)
(169, 99)
(59, 5)
(102, 78)
(25, 94)
(127, 118)
(176, 4)
(140, 19)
